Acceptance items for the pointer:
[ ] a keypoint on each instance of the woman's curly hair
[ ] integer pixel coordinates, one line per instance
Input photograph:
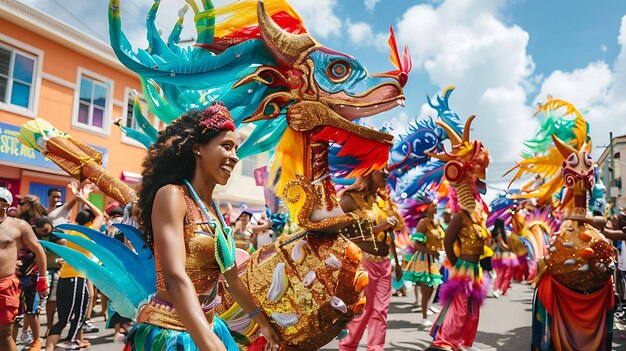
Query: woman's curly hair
(170, 159)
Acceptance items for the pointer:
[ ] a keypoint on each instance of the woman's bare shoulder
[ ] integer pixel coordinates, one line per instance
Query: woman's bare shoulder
(169, 196)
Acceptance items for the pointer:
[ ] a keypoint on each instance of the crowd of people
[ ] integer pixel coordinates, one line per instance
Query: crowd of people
(77, 297)
(45, 280)
(334, 278)
(69, 299)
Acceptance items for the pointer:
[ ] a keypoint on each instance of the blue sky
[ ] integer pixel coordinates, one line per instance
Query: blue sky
(503, 56)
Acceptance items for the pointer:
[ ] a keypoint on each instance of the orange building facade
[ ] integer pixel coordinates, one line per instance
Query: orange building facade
(51, 70)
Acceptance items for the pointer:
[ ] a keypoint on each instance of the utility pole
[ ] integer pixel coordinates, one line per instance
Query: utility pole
(611, 165)
(611, 170)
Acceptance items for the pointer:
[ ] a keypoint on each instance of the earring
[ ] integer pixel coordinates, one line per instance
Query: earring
(198, 153)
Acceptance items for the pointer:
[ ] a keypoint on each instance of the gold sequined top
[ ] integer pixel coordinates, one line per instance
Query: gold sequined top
(368, 207)
(200, 264)
(516, 245)
(434, 236)
(473, 233)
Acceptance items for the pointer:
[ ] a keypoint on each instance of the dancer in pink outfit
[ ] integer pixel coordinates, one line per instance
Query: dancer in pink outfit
(368, 199)
(504, 261)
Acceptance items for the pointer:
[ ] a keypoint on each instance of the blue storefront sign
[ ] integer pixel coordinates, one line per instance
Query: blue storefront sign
(13, 151)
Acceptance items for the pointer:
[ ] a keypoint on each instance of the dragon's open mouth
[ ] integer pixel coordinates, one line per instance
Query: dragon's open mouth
(369, 147)
(352, 112)
(379, 99)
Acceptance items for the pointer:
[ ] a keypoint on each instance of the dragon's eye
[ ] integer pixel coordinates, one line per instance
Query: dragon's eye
(572, 160)
(338, 71)
(588, 160)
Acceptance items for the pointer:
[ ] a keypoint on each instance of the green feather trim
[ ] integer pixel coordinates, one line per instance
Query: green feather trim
(423, 277)
(142, 335)
(419, 237)
(159, 342)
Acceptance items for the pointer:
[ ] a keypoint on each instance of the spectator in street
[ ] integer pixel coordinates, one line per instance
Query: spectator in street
(43, 229)
(243, 231)
(227, 210)
(120, 324)
(30, 208)
(114, 214)
(446, 215)
(72, 291)
(247, 228)
(58, 212)
(15, 233)
(262, 233)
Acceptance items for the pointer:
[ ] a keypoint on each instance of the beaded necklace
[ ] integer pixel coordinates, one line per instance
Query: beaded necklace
(200, 203)
(225, 250)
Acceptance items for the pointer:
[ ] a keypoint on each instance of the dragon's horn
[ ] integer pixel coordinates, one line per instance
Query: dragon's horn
(445, 157)
(563, 147)
(588, 147)
(286, 48)
(466, 129)
(452, 135)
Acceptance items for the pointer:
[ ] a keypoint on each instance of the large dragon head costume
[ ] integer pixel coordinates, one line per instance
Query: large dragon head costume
(578, 256)
(300, 97)
(465, 169)
(264, 66)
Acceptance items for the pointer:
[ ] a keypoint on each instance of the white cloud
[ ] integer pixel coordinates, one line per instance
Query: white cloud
(463, 42)
(359, 32)
(319, 17)
(370, 4)
(362, 34)
(587, 86)
(597, 90)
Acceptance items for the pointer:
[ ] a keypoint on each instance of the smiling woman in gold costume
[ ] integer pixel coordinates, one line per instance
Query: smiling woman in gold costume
(192, 245)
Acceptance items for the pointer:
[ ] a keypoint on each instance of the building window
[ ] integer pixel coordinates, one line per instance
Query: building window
(17, 77)
(248, 165)
(93, 101)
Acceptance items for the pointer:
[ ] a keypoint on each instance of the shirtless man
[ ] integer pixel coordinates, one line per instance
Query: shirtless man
(15, 233)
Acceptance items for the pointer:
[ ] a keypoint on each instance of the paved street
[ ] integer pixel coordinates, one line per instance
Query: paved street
(504, 325)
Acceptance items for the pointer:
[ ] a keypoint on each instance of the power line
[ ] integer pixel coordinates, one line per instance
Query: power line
(79, 20)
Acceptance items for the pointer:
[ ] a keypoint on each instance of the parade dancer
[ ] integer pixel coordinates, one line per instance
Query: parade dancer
(182, 224)
(461, 296)
(503, 261)
(574, 301)
(423, 269)
(362, 200)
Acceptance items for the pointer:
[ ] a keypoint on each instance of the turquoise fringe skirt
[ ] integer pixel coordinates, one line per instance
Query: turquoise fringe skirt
(146, 337)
